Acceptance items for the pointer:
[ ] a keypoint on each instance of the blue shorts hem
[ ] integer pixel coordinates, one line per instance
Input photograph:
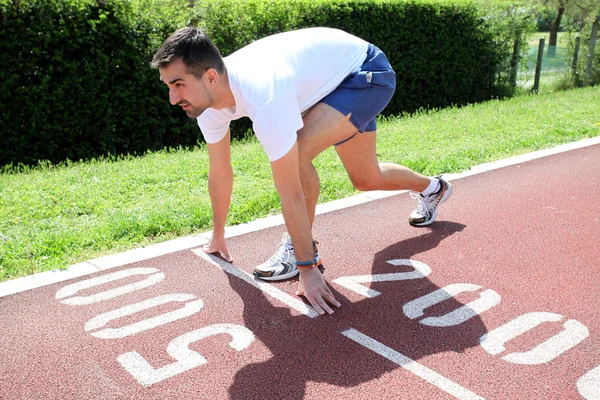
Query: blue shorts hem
(365, 93)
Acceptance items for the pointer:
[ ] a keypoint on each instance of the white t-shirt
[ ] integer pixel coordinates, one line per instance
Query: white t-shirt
(275, 79)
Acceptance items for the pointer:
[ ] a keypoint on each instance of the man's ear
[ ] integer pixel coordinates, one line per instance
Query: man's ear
(212, 76)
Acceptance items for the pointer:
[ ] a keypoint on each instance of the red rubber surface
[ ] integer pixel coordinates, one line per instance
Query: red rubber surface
(529, 232)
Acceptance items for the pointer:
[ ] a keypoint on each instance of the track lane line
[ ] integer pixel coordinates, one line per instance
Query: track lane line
(411, 365)
(267, 288)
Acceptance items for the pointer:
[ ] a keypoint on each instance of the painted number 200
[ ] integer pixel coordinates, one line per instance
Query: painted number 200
(492, 342)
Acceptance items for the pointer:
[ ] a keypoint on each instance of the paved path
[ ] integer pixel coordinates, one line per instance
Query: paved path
(498, 300)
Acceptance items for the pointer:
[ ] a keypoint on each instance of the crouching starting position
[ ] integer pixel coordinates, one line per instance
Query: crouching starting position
(304, 91)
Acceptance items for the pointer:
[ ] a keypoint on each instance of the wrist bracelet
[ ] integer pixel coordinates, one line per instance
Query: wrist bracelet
(305, 264)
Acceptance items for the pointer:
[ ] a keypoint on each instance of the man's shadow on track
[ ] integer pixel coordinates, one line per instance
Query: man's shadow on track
(314, 350)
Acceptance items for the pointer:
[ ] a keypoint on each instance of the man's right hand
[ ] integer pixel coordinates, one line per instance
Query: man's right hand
(217, 245)
(314, 288)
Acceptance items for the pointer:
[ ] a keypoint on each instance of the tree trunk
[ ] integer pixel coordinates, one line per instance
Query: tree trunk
(554, 32)
(590, 62)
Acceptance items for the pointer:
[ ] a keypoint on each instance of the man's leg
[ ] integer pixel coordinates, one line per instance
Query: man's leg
(323, 127)
(359, 157)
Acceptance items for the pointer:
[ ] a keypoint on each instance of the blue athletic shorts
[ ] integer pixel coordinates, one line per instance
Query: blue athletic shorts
(365, 93)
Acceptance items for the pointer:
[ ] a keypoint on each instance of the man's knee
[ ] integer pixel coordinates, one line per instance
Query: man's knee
(364, 183)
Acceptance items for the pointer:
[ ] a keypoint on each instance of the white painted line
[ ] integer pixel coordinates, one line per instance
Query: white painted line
(589, 384)
(45, 278)
(411, 365)
(478, 169)
(145, 253)
(524, 158)
(116, 260)
(253, 226)
(269, 289)
(421, 270)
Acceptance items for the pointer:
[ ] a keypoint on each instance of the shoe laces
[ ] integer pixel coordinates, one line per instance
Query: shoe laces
(283, 253)
(424, 202)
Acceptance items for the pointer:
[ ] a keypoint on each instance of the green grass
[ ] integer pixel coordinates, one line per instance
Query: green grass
(562, 38)
(54, 216)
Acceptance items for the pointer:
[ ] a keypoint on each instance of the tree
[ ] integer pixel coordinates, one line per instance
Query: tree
(576, 9)
(560, 6)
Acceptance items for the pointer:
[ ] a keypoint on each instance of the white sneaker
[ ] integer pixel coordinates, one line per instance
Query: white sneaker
(282, 265)
(428, 205)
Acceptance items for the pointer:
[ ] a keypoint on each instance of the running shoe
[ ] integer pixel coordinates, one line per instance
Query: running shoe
(427, 208)
(282, 265)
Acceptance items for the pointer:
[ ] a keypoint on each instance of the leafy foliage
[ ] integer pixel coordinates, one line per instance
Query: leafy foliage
(444, 52)
(75, 82)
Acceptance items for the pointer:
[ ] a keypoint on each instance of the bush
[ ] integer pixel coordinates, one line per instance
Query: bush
(545, 18)
(594, 78)
(75, 82)
(509, 22)
(444, 52)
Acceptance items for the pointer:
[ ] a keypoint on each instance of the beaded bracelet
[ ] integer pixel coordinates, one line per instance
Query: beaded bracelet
(306, 264)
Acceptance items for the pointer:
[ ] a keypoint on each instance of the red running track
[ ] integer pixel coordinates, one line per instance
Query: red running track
(500, 301)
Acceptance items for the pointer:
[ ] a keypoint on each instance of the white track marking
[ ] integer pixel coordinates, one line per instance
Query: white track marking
(354, 282)
(76, 287)
(589, 384)
(416, 308)
(186, 359)
(411, 365)
(573, 334)
(269, 289)
(101, 320)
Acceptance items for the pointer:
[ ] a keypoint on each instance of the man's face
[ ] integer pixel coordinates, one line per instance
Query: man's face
(185, 89)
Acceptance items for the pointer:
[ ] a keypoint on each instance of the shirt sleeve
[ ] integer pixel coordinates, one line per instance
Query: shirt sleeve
(277, 123)
(213, 127)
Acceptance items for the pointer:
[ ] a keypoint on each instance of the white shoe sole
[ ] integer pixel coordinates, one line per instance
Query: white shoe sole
(445, 197)
(289, 275)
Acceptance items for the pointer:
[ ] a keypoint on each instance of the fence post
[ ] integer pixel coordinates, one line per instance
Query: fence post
(576, 55)
(514, 64)
(538, 66)
(590, 61)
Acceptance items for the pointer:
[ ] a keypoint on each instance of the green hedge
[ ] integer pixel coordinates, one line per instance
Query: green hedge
(75, 82)
(444, 52)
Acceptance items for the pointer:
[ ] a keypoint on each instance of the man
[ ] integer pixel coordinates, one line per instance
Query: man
(304, 91)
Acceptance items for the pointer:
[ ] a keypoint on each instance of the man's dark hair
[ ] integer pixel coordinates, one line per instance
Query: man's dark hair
(194, 48)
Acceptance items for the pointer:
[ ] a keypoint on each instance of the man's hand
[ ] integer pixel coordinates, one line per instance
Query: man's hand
(314, 288)
(217, 245)
(286, 176)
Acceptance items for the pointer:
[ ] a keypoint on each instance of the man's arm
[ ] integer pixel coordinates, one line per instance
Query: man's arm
(220, 185)
(286, 176)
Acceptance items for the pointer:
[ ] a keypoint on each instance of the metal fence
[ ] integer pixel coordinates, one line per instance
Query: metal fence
(546, 64)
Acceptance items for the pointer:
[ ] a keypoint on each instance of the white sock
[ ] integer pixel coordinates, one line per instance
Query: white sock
(432, 188)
